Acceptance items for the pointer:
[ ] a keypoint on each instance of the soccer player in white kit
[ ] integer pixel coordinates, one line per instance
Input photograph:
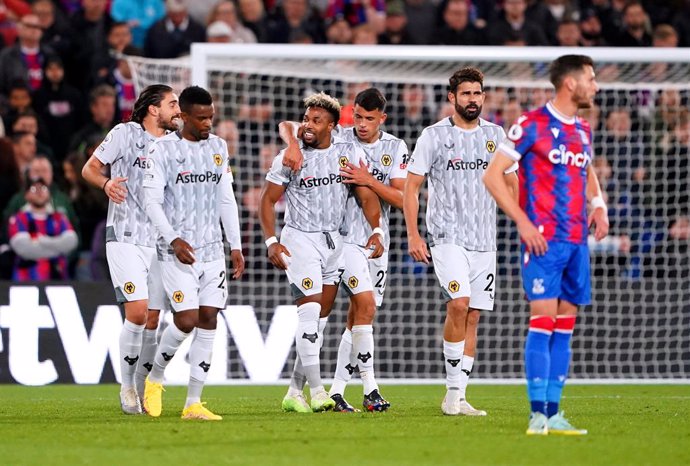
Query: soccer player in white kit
(461, 223)
(364, 279)
(311, 247)
(188, 194)
(130, 236)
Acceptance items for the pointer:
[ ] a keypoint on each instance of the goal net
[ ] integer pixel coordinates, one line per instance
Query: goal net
(639, 324)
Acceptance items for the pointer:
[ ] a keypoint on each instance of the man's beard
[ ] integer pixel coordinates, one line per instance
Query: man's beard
(468, 115)
(168, 125)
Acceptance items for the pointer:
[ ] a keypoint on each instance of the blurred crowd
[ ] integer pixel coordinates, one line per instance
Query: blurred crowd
(64, 83)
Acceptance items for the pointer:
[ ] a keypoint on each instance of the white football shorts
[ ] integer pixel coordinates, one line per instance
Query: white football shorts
(463, 273)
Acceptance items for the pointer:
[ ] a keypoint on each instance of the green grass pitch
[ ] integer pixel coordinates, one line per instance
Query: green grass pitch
(69, 425)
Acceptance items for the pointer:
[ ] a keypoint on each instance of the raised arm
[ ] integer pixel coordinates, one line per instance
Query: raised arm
(289, 133)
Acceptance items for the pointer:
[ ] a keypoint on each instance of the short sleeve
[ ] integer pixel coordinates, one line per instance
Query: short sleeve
(109, 150)
(278, 173)
(400, 159)
(520, 139)
(420, 162)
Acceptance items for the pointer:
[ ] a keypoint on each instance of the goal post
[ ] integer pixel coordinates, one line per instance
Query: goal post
(638, 327)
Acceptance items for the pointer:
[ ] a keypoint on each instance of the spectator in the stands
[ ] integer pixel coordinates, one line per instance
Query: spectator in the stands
(140, 15)
(357, 12)
(40, 236)
(28, 122)
(40, 167)
(456, 28)
(59, 105)
(590, 29)
(173, 35)
(254, 17)
(410, 114)
(397, 32)
(24, 60)
(568, 34)
(226, 11)
(24, 145)
(90, 24)
(9, 15)
(57, 33)
(102, 104)
(119, 38)
(293, 18)
(218, 32)
(635, 30)
(90, 203)
(18, 101)
(339, 32)
(513, 20)
(364, 34)
(422, 20)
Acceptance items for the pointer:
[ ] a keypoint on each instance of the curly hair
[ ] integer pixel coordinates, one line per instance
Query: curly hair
(326, 102)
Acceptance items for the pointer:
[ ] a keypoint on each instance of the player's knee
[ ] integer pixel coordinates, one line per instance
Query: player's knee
(152, 318)
(457, 310)
(186, 321)
(364, 314)
(135, 312)
(473, 318)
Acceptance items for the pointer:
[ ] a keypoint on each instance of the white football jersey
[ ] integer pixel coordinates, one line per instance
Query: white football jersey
(387, 159)
(460, 209)
(125, 148)
(315, 195)
(190, 174)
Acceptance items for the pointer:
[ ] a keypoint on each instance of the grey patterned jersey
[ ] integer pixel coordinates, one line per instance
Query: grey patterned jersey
(315, 195)
(460, 209)
(125, 148)
(387, 159)
(190, 174)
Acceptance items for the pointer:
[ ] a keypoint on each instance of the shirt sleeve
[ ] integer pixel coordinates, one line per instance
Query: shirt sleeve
(420, 162)
(278, 174)
(400, 159)
(520, 139)
(109, 150)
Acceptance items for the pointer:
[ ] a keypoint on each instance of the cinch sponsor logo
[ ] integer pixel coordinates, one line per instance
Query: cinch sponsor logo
(459, 164)
(142, 163)
(189, 177)
(313, 182)
(379, 175)
(561, 156)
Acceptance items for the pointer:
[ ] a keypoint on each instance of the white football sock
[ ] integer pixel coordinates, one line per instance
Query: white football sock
(452, 355)
(130, 348)
(171, 340)
(200, 354)
(363, 348)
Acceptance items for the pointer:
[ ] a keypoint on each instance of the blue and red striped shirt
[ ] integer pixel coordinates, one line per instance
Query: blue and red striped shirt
(554, 152)
(48, 268)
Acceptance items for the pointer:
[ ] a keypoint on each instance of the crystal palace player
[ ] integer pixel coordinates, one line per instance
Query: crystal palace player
(130, 236)
(316, 205)
(188, 194)
(461, 222)
(554, 148)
